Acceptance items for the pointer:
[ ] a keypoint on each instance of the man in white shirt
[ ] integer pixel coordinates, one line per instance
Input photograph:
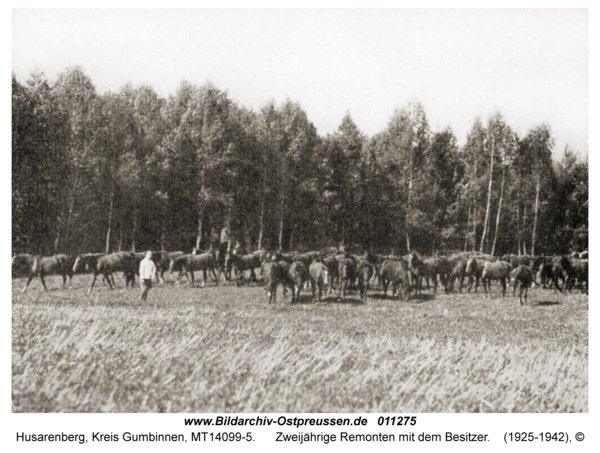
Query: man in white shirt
(147, 273)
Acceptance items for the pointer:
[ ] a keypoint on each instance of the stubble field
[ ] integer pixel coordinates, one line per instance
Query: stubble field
(224, 349)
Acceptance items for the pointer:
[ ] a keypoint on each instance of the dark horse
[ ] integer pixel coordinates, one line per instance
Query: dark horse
(41, 266)
(522, 277)
(429, 268)
(346, 274)
(126, 262)
(190, 263)
(396, 272)
(162, 259)
(243, 263)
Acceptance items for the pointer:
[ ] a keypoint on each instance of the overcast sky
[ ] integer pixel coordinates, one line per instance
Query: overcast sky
(531, 65)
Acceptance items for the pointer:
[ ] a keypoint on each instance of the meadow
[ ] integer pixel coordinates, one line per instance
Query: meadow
(224, 349)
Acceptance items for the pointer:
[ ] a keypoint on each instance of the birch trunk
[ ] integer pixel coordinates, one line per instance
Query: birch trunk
(110, 214)
(518, 231)
(523, 241)
(281, 224)
(200, 214)
(135, 227)
(406, 221)
(262, 210)
(474, 225)
(489, 201)
(68, 222)
(535, 217)
(499, 209)
(467, 229)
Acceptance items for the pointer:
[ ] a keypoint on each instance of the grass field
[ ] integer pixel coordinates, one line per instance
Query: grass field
(224, 349)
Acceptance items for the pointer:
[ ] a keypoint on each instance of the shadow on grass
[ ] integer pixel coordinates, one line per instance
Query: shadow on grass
(422, 297)
(545, 303)
(333, 299)
(413, 297)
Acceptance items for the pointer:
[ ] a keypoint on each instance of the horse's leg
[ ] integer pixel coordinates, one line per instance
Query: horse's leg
(204, 278)
(193, 282)
(319, 291)
(93, 281)
(43, 281)
(31, 276)
(110, 277)
(179, 278)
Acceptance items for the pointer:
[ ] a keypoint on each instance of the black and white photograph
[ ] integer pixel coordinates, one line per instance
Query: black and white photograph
(299, 211)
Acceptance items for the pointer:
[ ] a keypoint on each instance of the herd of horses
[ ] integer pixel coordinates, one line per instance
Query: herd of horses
(323, 270)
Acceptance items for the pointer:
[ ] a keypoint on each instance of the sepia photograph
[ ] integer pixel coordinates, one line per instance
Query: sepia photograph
(299, 211)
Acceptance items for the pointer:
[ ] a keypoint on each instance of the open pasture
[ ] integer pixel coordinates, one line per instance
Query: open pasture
(224, 349)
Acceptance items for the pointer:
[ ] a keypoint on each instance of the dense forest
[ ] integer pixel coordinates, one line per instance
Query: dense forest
(130, 170)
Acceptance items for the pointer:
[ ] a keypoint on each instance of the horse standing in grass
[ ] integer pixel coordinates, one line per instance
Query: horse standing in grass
(396, 273)
(458, 272)
(332, 271)
(294, 278)
(271, 275)
(346, 274)
(474, 270)
(318, 273)
(522, 277)
(543, 274)
(495, 271)
(21, 267)
(106, 265)
(429, 268)
(580, 273)
(162, 260)
(563, 269)
(365, 272)
(41, 266)
(243, 263)
(191, 263)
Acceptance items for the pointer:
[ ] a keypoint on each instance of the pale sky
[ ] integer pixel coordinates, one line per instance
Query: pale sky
(531, 65)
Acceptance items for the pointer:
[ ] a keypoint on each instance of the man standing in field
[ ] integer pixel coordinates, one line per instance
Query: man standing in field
(147, 273)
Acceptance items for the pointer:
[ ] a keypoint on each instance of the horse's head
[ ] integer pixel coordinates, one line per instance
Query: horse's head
(414, 262)
(471, 266)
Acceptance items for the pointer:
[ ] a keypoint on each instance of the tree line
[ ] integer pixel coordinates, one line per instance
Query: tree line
(131, 170)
